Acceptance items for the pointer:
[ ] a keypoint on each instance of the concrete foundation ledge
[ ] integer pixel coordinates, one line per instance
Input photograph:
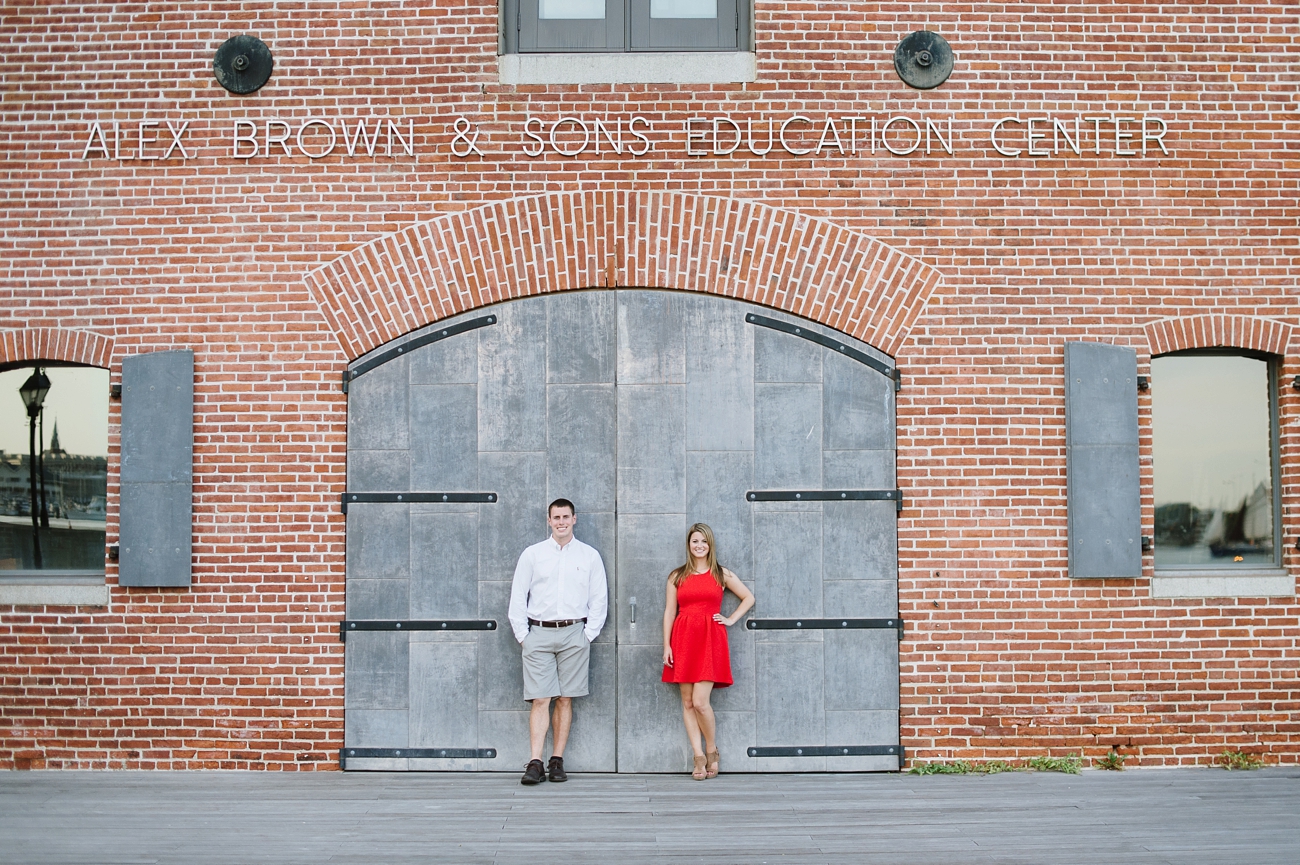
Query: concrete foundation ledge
(53, 589)
(1219, 584)
(686, 67)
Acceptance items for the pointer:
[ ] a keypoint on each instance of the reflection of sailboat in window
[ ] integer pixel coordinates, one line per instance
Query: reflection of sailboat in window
(1246, 531)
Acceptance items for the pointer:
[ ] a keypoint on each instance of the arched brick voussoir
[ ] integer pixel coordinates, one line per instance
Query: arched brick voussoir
(1218, 330)
(53, 343)
(460, 261)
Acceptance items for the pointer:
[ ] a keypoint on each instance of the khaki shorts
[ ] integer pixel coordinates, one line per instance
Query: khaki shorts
(556, 662)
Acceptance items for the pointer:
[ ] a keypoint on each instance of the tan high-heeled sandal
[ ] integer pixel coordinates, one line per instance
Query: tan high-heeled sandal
(712, 760)
(698, 773)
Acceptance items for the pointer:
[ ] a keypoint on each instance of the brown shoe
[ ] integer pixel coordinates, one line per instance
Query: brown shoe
(555, 770)
(712, 760)
(534, 773)
(698, 773)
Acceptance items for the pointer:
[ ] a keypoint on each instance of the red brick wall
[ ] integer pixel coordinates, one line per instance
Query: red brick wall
(1004, 655)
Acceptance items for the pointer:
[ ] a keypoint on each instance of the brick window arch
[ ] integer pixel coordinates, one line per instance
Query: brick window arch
(1218, 330)
(55, 344)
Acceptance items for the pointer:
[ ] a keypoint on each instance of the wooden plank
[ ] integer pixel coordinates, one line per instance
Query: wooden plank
(1198, 817)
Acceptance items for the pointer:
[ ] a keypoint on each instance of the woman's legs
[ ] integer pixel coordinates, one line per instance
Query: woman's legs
(688, 715)
(705, 721)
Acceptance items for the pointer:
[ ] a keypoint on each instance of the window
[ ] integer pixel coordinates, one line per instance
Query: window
(70, 469)
(1214, 434)
(583, 26)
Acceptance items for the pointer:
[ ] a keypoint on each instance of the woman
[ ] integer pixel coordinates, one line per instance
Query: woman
(695, 640)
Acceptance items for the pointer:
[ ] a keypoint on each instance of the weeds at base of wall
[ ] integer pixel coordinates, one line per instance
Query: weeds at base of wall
(1239, 760)
(1114, 761)
(1070, 765)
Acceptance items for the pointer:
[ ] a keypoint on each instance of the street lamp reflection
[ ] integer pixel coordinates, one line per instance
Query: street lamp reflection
(33, 393)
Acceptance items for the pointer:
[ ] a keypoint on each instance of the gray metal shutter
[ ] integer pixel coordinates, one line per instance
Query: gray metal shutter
(684, 34)
(1101, 454)
(157, 469)
(576, 35)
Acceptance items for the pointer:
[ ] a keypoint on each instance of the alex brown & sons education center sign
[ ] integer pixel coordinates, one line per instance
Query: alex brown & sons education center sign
(1010, 136)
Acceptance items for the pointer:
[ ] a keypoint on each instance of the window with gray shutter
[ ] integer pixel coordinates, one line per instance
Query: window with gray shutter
(156, 473)
(584, 26)
(1101, 447)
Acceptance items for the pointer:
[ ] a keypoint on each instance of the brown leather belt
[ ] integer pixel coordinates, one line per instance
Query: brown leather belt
(562, 623)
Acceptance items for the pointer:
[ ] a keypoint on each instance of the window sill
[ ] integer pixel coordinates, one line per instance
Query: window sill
(685, 67)
(1270, 583)
(53, 589)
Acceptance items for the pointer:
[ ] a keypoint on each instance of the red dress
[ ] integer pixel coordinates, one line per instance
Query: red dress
(699, 644)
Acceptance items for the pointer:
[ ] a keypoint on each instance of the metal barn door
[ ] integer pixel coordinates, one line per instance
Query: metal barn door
(780, 435)
(499, 412)
(661, 408)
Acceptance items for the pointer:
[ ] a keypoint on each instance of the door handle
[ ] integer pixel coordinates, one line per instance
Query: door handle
(632, 601)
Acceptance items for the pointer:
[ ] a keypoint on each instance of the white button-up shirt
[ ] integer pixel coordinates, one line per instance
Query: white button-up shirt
(554, 583)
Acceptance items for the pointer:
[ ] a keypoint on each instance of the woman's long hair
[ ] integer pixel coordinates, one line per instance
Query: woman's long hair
(680, 575)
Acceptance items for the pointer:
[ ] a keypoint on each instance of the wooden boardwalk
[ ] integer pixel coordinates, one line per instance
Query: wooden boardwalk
(1139, 816)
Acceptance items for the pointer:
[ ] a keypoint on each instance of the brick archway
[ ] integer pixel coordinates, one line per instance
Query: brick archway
(524, 246)
(52, 343)
(1218, 330)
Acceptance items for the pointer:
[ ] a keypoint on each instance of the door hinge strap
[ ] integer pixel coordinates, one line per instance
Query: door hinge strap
(830, 751)
(825, 625)
(895, 496)
(353, 373)
(408, 498)
(836, 346)
(416, 754)
(351, 625)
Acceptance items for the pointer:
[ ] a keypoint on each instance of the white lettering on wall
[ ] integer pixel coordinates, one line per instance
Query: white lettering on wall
(701, 136)
(1110, 134)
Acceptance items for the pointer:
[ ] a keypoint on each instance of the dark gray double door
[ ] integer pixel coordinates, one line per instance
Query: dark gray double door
(651, 410)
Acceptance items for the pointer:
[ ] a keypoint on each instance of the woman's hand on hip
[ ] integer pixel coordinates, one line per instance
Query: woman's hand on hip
(722, 620)
(668, 656)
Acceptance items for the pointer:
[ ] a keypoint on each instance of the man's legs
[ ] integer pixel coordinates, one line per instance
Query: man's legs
(539, 720)
(563, 721)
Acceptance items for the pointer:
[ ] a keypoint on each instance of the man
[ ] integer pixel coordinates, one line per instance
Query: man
(557, 607)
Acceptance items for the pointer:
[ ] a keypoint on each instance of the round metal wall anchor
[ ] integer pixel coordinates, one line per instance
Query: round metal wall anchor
(242, 64)
(923, 60)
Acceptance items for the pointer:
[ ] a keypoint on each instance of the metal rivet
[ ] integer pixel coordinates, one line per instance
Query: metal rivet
(399, 626)
(444, 498)
(798, 495)
(399, 497)
(844, 348)
(354, 498)
(846, 750)
(798, 331)
(752, 497)
(844, 624)
(397, 753)
(798, 624)
(444, 624)
(799, 751)
(444, 333)
(844, 495)
(352, 753)
(352, 624)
